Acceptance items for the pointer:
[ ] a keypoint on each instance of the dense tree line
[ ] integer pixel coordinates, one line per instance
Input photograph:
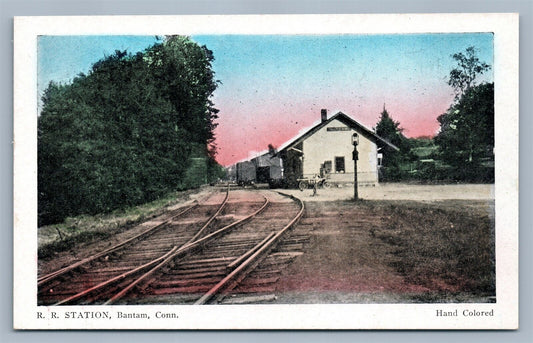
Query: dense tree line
(463, 148)
(128, 131)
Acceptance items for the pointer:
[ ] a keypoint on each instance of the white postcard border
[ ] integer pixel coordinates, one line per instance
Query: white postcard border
(349, 316)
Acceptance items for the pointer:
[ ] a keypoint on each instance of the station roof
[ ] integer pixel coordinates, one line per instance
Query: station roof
(344, 119)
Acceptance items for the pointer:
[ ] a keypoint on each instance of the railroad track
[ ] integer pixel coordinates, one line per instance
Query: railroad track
(225, 269)
(130, 270)
(133, 255)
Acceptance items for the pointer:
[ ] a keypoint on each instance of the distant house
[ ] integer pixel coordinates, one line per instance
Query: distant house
(327, 149)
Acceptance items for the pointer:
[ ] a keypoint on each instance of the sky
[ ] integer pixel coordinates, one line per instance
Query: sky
(272, 87)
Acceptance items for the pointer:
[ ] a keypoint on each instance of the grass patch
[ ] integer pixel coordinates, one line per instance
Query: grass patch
(85, 229)
(70, 242)
(441, 249)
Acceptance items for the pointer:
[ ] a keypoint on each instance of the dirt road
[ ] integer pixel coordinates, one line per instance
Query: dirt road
(394, 252)
(402, 191)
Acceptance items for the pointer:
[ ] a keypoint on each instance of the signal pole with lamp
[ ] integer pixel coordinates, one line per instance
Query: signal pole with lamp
(355, 157)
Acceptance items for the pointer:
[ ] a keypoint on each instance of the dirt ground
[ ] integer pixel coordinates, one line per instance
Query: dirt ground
(400, 244)
(401, 191)
(423, 244)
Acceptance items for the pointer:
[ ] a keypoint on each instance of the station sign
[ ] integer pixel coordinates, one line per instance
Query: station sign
(344, 128)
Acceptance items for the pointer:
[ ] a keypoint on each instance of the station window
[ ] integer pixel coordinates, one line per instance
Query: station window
(339, 165)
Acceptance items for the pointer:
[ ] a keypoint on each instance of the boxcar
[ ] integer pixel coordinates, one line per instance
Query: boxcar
(246, 173)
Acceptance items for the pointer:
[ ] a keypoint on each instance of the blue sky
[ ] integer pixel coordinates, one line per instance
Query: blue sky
(61, 58)
(274, 85)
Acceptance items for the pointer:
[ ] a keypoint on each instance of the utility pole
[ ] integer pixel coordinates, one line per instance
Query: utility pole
(355, 157)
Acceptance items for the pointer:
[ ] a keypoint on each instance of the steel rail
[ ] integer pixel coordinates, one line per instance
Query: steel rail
(167, 257)
(239, 273)
(114, 279)
(49, 277)
(121, 245)
(183, 250)
(202, 229)
(247, 254)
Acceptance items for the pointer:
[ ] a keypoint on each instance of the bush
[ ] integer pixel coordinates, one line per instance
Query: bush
(392, 174)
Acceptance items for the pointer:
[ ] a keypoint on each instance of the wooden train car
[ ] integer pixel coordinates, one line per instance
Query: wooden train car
(246, 173)
(266, 168)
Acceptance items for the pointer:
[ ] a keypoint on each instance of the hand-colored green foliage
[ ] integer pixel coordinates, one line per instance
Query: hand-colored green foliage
(390, 130)
(468, 68)
(128, 131)
(463, 149)
(466, 137)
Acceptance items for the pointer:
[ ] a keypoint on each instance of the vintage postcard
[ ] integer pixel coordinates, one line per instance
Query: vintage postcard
(266, 172)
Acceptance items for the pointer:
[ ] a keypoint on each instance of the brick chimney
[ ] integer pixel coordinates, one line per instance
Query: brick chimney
(324, 114)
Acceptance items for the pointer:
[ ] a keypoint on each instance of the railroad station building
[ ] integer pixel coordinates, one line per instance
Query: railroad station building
(326, 149)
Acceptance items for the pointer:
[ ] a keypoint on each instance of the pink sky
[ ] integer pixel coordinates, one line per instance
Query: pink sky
(241, 136)
(273, 86)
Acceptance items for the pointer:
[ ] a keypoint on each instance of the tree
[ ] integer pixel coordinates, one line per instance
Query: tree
(467, 129)
(128, 131)
(390, 130)
(466, 136)
(469, 67)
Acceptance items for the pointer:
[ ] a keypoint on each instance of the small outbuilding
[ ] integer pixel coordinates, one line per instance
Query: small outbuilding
(327, 150)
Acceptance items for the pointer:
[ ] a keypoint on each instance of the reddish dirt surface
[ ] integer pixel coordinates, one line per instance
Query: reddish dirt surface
(341, 261)
(347, 261)
(377, 251)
